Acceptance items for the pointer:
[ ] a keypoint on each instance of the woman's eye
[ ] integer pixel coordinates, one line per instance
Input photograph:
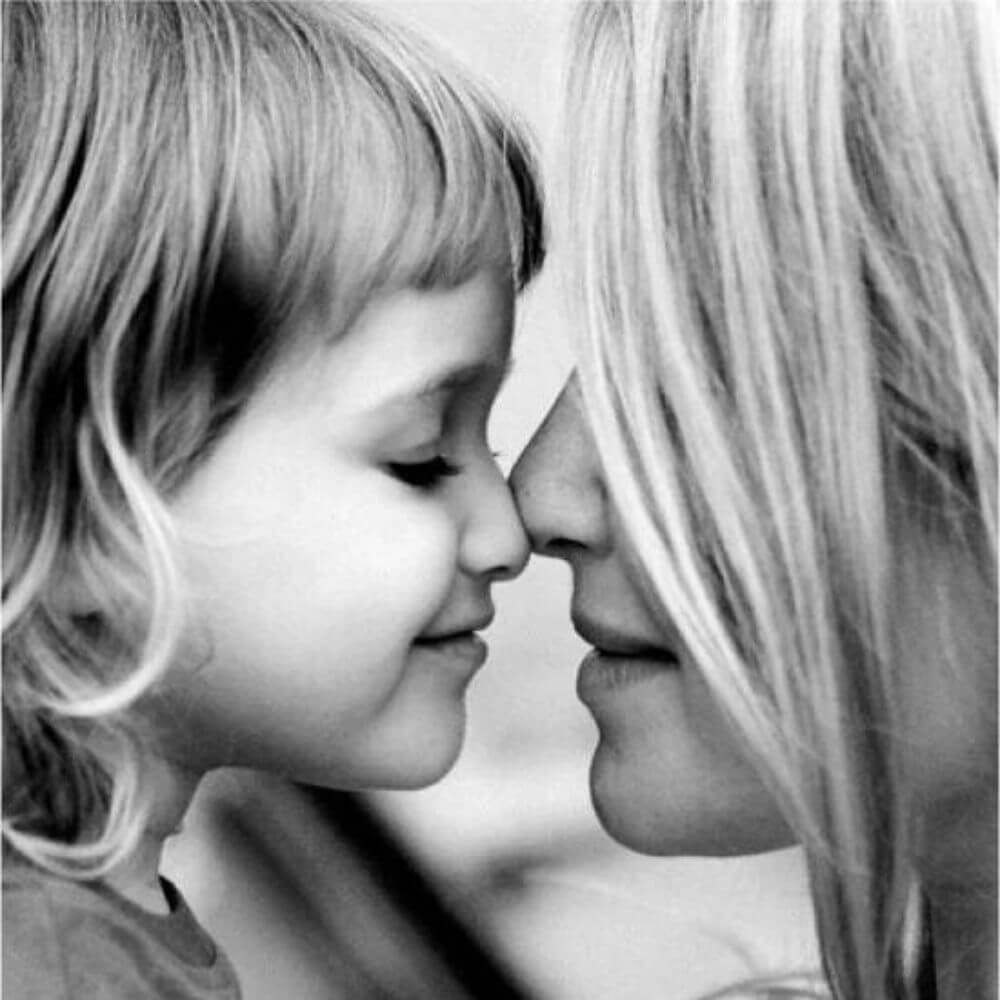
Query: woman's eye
(423, 475)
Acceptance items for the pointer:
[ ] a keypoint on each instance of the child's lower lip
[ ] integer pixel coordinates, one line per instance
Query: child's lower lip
(467, 646)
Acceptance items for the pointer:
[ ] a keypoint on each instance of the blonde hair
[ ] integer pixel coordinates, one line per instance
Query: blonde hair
(181, 182)
(785, 216)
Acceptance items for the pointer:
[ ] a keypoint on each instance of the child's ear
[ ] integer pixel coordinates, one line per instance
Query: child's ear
(71, 595)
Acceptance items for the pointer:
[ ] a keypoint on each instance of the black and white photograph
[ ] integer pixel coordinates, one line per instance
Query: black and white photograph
(500, 499)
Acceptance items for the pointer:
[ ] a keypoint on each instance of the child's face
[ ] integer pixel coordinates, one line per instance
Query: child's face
(339, 546)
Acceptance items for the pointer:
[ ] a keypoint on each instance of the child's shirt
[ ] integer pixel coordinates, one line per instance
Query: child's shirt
(66, 940)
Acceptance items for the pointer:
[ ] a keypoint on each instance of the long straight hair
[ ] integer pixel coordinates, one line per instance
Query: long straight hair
(785, 224)
(181, 183)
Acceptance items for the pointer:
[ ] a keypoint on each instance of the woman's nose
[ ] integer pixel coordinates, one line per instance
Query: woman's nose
(557, 484)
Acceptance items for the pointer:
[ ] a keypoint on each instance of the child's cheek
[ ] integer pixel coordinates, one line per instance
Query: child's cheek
(300, 634)
(417, 552)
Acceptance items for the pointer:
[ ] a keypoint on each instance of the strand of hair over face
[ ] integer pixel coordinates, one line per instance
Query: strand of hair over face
(787, 232)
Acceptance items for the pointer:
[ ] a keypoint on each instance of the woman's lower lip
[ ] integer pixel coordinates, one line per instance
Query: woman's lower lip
(601, 672)
(467, 648)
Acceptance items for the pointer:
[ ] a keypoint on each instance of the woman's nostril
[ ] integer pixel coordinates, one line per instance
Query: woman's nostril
(557, 548)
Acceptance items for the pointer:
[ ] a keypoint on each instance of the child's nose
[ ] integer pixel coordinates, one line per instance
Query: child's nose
(494, 543)
(557, 484)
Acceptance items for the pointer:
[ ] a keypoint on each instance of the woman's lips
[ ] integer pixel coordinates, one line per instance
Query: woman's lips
(615, 642)
(605, 671)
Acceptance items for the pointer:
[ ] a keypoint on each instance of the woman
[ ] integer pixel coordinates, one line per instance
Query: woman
(774, 474)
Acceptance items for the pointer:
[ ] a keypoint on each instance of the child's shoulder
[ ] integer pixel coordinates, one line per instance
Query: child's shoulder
(64, 939)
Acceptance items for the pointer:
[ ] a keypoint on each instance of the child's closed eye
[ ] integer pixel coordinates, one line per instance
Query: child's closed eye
(423, 475)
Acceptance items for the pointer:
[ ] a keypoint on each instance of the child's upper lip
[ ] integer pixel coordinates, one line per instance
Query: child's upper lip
(475, 622)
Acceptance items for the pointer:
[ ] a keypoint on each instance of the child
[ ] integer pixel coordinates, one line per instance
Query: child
(259, 271)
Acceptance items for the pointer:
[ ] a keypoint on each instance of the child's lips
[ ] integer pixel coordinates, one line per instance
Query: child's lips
(458, 639)
(462, 627)
(467, 647)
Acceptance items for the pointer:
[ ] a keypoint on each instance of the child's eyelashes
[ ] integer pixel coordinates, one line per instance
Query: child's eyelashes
(428, 473)
(423, 475)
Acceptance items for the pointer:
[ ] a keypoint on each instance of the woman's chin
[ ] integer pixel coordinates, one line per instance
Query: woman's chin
(682, 818)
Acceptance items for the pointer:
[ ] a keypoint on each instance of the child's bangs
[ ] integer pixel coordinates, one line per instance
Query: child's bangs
(376, 169)
(434, 196)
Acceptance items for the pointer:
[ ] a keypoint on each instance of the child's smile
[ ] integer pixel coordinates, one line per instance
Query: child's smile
(340, 543)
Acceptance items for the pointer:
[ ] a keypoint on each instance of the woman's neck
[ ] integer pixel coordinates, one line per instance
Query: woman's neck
(965, 948)
(963, 903)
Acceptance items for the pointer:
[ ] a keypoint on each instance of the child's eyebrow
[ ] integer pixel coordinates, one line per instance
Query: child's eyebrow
(451, 379)
(460, 377)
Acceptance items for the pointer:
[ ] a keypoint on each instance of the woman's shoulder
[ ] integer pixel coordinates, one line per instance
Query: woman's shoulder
(64, 938)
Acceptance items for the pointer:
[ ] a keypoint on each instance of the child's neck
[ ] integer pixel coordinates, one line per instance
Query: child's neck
(138, 878)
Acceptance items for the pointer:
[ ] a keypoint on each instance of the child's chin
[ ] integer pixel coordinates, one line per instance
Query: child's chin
(420, 772)
(422, 759)
(410, 756)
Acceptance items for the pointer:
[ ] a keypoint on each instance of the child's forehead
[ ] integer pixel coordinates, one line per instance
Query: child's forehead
(412, 344)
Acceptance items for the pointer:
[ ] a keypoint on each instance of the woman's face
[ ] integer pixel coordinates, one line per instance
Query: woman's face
(667, 775)
(947, 617)
(339, 545)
